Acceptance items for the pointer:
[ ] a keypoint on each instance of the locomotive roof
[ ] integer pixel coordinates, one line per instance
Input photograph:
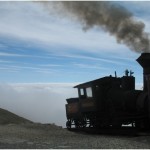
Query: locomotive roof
(97, 81)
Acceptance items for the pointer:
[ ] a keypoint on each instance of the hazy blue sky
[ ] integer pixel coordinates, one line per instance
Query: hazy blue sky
(41, 46)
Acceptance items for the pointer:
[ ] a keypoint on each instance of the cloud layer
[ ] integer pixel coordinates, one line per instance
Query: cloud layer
(43, 103)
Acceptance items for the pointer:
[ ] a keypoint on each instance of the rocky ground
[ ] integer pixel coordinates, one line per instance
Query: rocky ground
(39, 136)
(19, 133)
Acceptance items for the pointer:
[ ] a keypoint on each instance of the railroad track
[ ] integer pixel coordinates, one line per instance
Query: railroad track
(124, 131)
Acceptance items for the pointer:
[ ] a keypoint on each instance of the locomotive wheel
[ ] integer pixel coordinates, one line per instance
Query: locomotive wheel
(68, 124)
(92, 123)
(144, 124)
(117, 126)
(83, 123)
(77, 124)
(80, 124)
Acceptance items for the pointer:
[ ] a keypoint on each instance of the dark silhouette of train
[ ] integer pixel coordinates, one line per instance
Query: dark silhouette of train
(112, 101)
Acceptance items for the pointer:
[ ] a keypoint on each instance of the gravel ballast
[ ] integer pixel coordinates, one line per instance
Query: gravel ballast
(48, 136)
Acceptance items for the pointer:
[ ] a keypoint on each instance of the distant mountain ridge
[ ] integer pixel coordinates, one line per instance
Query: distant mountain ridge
(7, 117)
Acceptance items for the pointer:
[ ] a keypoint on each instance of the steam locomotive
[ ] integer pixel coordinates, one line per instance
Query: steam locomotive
(112, 101)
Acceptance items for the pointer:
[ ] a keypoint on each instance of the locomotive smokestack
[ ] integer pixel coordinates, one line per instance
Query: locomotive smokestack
(144, 61)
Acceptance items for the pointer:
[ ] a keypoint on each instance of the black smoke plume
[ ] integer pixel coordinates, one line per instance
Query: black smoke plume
(113, 18)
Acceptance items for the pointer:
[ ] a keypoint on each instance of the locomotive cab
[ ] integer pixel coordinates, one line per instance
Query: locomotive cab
(86, 98)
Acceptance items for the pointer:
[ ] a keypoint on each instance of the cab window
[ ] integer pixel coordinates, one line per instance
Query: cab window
(89, 92)
(82, 92)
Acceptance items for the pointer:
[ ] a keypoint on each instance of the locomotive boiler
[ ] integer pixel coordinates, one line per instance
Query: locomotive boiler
(112, 101)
